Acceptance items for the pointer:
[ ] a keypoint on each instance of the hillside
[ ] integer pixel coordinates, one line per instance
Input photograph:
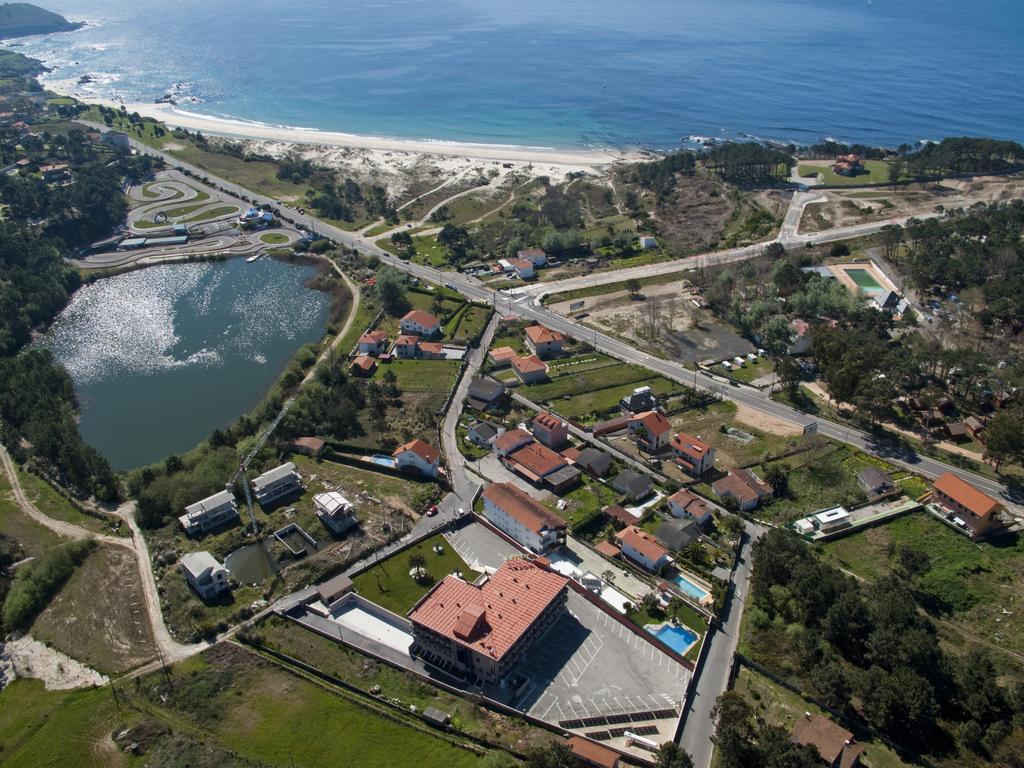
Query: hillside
(23, 19)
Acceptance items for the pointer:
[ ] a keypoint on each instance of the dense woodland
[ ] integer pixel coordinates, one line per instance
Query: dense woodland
(871, 652)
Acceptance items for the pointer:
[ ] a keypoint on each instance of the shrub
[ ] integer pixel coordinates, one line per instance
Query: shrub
(37, 582)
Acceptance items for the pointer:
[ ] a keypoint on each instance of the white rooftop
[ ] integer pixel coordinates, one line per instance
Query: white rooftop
(197, 563)
(832, 515)
(273, 475)
(332, 502)
(218, 499)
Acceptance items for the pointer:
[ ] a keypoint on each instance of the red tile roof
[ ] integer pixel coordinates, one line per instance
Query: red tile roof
(373, 337)
(490, 618)
(965, 494)
(406, 340)
(507, 441)
(692, 447)
(547, 420)
(615, 512)
(690, 502)
(364, 363)
(425, 451)
(638, 539)
(425, 319)
(653, 421)
(502, 353)
(607, 549)
(743, 485)
(540, 335)
(592, 753)
(431, 347)
(523, 507)
(528, 364)
(519, 264)
(537, 459)
(830, 739)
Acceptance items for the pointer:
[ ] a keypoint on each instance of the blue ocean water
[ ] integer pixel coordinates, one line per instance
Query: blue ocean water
(568, 72)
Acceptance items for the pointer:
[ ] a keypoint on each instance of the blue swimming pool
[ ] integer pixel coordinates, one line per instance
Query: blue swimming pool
(678, 638)
(384, 461)
(687, 587)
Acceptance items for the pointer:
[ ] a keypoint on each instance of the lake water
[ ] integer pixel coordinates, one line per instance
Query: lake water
(162, 356)
(571, 72)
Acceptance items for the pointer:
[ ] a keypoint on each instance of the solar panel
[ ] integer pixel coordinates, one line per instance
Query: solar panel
(599, 735)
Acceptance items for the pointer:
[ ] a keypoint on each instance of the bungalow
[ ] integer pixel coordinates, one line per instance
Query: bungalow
(957, 431)
(692, 455)
(550, 429)
(651, 430)
(632, 485)
(511, 441)
(542, 466)
(430, 350)
(308, 446)
(968, 507)
(211, 512)
(417, 456)
(363, 365)
(334, 589)
(686, 504)
(484, 393)
(544, 342)
(204, 574)
(834, 743)
(619, 514)
(975, 427)
(609, 427)
(594, 461)
(523, 268)
(372, 343)
(420, 323)
(483, 433)
(874, 481)
(642, 549)
(518, 515)
(641, 400)
(502, 356)
(530, 369)
(535, 256)
(677, 535)
(276, 483)
(743, 486)
(335, 512)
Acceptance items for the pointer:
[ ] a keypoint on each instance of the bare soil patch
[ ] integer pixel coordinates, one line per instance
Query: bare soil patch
(765, 422)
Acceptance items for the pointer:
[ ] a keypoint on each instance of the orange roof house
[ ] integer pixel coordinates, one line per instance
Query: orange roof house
(834, 743)
(529, 369)
(639, 547)
(652, 430)
(692, 455)
(364, 365)
(970, 508)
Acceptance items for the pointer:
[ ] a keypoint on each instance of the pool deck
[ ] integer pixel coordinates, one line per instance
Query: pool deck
(844, 277)
(654, 629)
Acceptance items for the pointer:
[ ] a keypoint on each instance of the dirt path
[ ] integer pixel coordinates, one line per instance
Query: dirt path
(353, 311)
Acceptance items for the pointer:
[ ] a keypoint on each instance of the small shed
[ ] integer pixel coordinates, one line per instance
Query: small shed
(436, 717)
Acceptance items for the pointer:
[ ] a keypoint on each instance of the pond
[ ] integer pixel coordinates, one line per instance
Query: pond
(162, 356)
(250, 564)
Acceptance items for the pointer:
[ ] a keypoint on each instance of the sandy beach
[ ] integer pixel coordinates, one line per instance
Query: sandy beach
(177, 117)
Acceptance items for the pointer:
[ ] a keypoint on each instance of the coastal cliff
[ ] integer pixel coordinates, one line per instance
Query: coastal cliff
(24, 19)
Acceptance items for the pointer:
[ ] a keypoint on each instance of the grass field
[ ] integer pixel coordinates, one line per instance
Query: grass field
(780, 706)
(590, 407)
(707, 423)
(763, 367)
(273, 238)
(33, 537)
(569, 379)
(389, 584)
(52, 504)
(467, 323)
(99, 617)
(970, 584)
(877, 172)
(431, 376)
(585, 503)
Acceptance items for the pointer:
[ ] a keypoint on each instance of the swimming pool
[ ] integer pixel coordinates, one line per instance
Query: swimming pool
(690, 588)
(679, 638)
(864, 280)
(384, 461)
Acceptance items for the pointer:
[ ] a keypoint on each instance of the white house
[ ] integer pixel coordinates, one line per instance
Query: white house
(420, 323)
(651, 429)
(523, 268)
(204, 574)
(521, 517)
(692, 455)
(642, 549)
(276, 483)
(211, 512)
(535, 256)
(372, 343)
(334, 511)
(417, 456)
(685, 504)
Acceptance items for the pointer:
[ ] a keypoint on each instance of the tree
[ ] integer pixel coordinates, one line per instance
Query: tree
(391, 291)
(555, 754)
(671, 755)
(1004, 437)
(734, 731)
(633, 286)
(417, 560)
(778, 478)
(775, 250)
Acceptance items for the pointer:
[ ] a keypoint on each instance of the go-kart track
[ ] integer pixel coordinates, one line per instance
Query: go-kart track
(210, 216)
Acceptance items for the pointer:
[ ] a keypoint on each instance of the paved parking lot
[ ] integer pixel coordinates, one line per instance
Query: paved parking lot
(589, 665)
(480, 547)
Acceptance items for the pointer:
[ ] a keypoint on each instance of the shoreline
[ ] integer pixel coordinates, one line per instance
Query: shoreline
(175, 117)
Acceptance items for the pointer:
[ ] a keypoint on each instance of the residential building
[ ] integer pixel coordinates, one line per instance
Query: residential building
(594, 461)
(535, 256)
(276, 483)
(642, 549)
(529, 369)
(692, 455)
(308, 446)
(523, 518)
(834, 743)
(334, 589)
(831, 519)
(632, 484)
(502, 356)
(640, 401)
(485, 393)
(651, 430)
(204, 574)
(801, 343)
(647, 242)
(419, 323)
(542, 466)
(406, 346)
(975, 426)
(620, 515)
(743, 486)
(481, 631)
(417, 456)
(563, 479)
(957, 431)
(968, 507)
(211, 512)
(523, 268)
(363, 365)
(483, 433)
(848, 165)
(550, 430)
(511, 441)
(372, 343)
(117, 140)
(609, 427)
(677, 535)
(688, 505)
(874, 481)
(335, 512)
(430, 350)
(544, 342)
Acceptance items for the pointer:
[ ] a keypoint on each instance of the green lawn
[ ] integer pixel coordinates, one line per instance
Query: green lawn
(431, 376)
(707, 423)
(566, 380)
(877, 172)
(969, 583)
(591, 407)
(52, 504)
(379, 229)
(684, 614)
(273, 238)
(212, 213)
(389, 584)
(763, 367)
(428, 250)
(33, 537)
(585, 503)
